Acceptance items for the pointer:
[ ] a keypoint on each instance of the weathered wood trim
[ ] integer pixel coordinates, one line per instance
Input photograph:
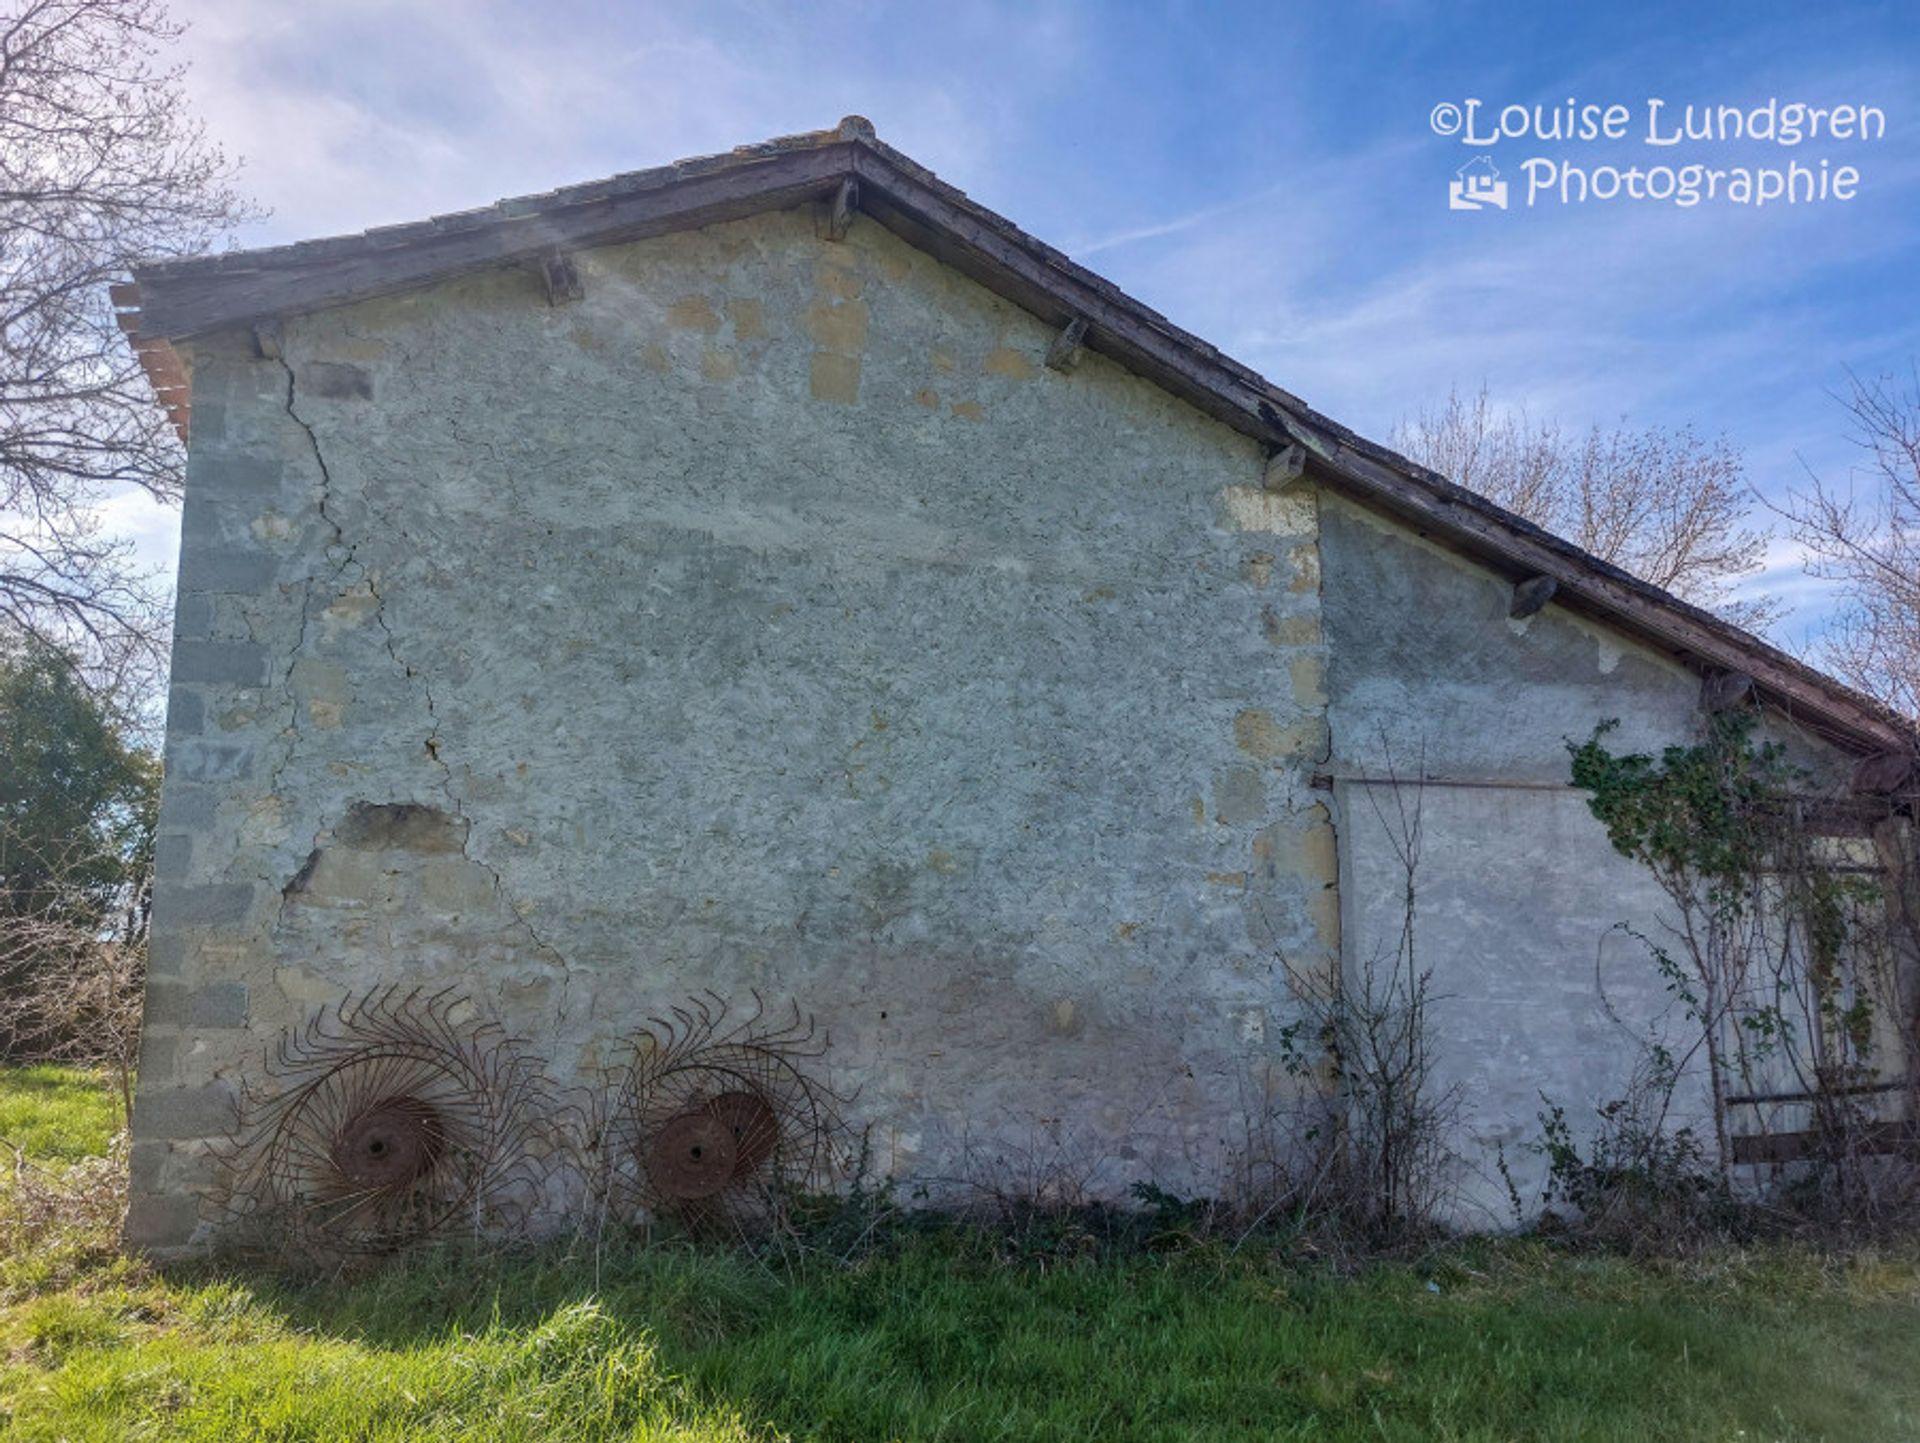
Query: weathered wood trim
(1530, 595)
(561, 278)
(836, 214)
(1065, 350)
(1724, 690)
(199, 302)
(1285, 467)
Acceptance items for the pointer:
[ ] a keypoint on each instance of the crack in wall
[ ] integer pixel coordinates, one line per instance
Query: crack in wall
(347, 554)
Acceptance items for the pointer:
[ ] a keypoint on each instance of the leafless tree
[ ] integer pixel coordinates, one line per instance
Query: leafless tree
(100, 165)
(1665, 504)
(72, 975)
(1866, 537)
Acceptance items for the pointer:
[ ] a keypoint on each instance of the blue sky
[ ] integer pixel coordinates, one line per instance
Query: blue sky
(1265, 174)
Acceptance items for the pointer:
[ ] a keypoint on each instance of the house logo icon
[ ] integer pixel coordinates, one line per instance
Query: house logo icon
(1477, 185)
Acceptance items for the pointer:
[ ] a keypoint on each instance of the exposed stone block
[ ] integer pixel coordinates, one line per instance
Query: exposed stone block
(185, 808)
(234, 663)
(192, 618)
(160, 1221)
(197, 760)
(212, 904)
(226, 476)
(185, 1112)
(175, 1004)
(228, 570)
(186, 712)
(172, 855)
(158, 1053)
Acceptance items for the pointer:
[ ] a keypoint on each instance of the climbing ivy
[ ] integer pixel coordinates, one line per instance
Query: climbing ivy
(1762, 947)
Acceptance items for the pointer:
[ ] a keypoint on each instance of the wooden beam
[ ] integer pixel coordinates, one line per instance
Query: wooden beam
(561, 278)
(836, 213)
(1724, 690)
(1884, 773)
(1530, 595)
(1069, 346)
(1285, 467)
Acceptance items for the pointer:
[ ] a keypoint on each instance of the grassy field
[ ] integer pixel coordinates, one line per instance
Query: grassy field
(940, 1337)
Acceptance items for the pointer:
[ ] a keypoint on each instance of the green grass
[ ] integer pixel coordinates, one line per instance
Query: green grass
(939, 1338)
(57, 1114)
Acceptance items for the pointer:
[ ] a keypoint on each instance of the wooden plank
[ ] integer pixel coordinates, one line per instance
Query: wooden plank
(1284, 467)
(561, 278)
(1878, 1138)
(836, 215)
(1530, 596)
(1066, 349)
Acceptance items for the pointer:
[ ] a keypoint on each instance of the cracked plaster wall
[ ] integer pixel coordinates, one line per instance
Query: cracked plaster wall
(771, 618)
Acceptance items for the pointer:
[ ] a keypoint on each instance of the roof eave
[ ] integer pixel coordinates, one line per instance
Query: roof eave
(184, 299)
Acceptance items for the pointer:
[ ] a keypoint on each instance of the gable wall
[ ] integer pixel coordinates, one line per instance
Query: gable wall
(771, 619)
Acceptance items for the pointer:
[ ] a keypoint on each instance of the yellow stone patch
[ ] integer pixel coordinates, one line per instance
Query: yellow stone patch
(1282, 513)
(719, 365)
(749, 318)
(1305, 561)
(841, 282)
(968, 410)
(942, 862)
(695, 313)
(1257, 734)
(303, 988)
(351, 608)
(1254, 732)
(835, 378)
(1308, 672)
(942, 361)
(1258, 568)
(1324, 908)
(1308, 852)
(1290, 630)
(1014, 365)
(929, 399)
(839, 326)
(271, 526)
(654, 358)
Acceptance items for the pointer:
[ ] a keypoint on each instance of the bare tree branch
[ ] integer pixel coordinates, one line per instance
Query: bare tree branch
(100, 166)
(1665, 504)
(1866, 537)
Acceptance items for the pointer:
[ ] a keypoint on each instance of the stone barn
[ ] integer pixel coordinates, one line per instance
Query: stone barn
(774, 575)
